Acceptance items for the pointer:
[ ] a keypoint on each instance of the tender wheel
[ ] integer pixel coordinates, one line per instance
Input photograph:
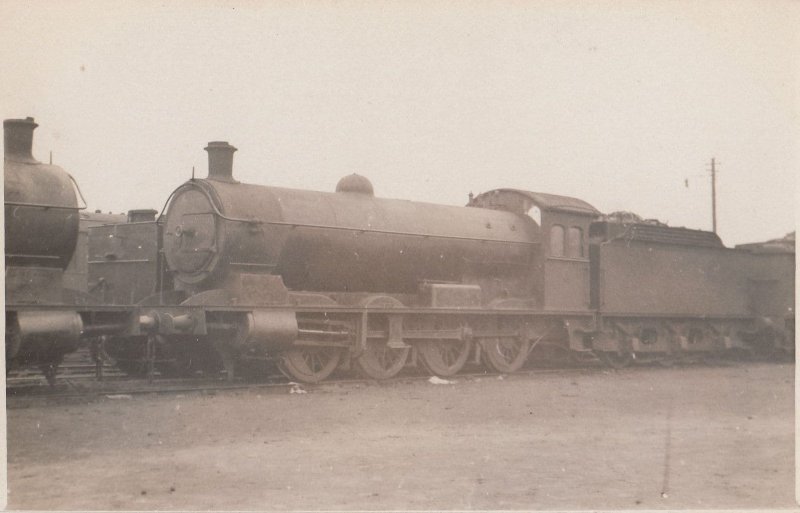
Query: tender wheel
(616, 360)
(309, 364)
(505, 354)
(379, 361)
(667, 361)
(444, 357)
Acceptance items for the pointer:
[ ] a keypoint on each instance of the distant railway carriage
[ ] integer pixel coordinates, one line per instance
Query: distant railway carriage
(771, 290)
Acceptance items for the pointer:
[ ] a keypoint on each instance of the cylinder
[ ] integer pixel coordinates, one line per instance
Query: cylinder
(44, 332)
(267, 330)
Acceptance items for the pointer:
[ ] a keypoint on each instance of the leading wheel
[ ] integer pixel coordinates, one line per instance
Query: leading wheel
(128, 354)
(444, 357)
(186, 357)
(309, 364)
(505, 354)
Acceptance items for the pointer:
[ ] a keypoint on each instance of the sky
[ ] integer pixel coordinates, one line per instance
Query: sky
(620, 103)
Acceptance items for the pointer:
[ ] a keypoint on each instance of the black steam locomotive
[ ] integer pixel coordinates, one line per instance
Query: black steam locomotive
(48, 313)
(234, 273)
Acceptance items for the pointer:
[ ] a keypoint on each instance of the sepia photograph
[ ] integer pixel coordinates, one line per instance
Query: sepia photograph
(350, 255)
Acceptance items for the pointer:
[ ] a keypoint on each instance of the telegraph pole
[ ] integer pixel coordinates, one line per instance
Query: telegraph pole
(713, 195)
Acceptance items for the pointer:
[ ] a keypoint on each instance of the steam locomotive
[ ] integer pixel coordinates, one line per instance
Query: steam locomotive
(233, 273)
(47, 312)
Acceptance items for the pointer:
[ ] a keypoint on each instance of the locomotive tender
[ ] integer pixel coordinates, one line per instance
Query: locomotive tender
(234, 272)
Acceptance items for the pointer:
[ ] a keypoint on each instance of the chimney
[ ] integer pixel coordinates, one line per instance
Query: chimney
(18, 139)
(220, 161)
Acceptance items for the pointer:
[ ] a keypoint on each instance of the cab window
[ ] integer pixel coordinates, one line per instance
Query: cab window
(575, 242)
(557, 241)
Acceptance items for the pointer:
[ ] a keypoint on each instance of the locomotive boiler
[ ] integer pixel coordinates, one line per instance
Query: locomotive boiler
(347, 241)
(40, 204)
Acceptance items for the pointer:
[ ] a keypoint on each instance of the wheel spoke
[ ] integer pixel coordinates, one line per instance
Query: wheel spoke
(310, 364)
(444, 357)
(505, 355)
(378, 361)
(381, 362)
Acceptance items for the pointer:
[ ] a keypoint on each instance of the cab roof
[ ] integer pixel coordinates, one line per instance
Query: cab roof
(549, 202)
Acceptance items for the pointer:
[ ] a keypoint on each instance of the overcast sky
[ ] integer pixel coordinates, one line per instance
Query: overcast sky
(617, 103)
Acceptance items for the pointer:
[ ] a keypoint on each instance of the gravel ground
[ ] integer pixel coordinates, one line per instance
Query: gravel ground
(646, 438)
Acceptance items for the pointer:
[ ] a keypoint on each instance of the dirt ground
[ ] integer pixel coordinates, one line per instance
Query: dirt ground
(648, 438)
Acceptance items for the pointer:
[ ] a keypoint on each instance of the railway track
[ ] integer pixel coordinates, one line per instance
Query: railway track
(128, 388)
(78, 371)
(76, 366)
(77, 381)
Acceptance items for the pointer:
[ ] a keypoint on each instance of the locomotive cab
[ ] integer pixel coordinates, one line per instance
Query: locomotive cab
(562, 267)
